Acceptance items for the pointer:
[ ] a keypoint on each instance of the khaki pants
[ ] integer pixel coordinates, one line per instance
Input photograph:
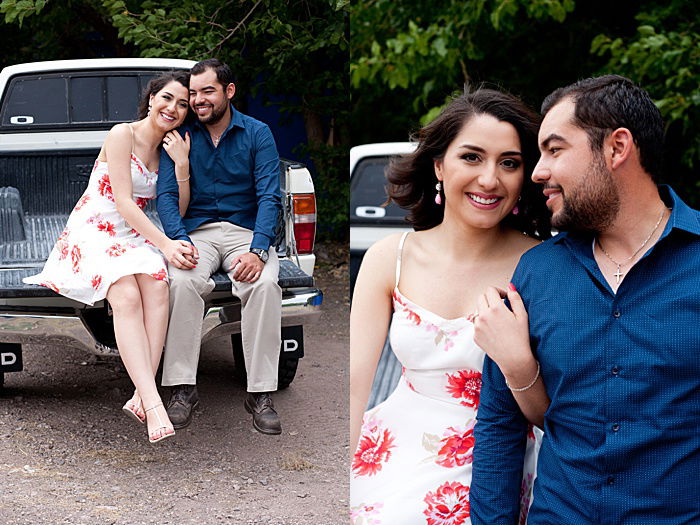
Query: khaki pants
(261, 309)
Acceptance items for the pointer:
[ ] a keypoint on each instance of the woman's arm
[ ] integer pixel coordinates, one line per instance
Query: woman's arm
(179, 151)
(118, 151)
(503, 334)
(369, 323)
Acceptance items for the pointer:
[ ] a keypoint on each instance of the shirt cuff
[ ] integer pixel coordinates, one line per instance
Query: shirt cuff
(260, 241)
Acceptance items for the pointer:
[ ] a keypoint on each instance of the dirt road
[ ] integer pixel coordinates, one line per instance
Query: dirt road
(69, 455)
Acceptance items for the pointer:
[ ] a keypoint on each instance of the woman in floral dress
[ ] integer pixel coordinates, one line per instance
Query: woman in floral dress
(475, 212)
(110, 249)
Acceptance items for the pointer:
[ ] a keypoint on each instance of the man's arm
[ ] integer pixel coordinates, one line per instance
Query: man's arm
(168, 200)
(267, 188)
(499, 452)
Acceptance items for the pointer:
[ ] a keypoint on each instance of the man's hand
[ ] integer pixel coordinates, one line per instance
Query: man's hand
(247, 267)
(180, 254)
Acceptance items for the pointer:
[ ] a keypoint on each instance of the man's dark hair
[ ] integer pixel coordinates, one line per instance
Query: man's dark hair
(606, 103)
(223, 73)
(158, 83)
(412, 177)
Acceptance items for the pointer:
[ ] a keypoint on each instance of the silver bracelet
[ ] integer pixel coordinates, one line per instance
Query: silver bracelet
(528, 387)
(182, 180)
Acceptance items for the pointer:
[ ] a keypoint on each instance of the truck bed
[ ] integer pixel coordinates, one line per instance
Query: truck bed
(26, 257)
(30, 226)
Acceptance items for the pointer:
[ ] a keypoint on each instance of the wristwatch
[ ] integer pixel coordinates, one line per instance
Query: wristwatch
(260, 253)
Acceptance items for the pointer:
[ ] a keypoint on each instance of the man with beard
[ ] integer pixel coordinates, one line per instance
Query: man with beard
(235, 199)
(613, 311)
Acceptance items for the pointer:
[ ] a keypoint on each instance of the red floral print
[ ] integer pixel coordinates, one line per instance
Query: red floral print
(161, 275)
(525, 492)
(116, 250)
(138, 164)
(366, 514)
(457, 446)
(96, 281)
(373, 450)
(413, 317)
(107, 227)
(397, 298)
(408, 383)
(465, 384)
(62, 245)
(531, 432)
(82, 202)
(149, 242)
(141, 202)
(75, 258)
(448, 505)
(50, 285)
(105, 188)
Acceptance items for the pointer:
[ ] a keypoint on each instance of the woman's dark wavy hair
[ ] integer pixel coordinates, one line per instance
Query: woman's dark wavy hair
(412, 177)
(158, 83)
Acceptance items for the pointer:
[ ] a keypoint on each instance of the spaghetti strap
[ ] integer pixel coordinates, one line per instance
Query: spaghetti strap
(132, 137)
(398, 258)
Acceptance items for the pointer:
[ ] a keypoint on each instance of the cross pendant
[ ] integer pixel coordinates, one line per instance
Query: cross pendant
(618, 274)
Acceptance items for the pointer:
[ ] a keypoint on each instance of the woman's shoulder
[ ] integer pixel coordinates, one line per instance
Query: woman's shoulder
(385, 246)
(121, 130)
(521, 242)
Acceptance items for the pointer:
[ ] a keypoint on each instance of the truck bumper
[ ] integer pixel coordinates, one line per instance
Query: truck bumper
(29, 325)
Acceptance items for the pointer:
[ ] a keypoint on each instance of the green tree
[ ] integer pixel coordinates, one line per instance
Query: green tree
(664, 57)
(407, 57)
(294, 54)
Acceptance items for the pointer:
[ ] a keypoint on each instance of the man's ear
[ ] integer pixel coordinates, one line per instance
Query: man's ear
(230, 91)
(620, 144)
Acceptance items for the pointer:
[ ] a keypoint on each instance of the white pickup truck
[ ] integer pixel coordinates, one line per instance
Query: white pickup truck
(54, 117)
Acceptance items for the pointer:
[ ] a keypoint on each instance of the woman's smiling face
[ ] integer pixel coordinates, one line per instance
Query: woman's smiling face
(481, 172)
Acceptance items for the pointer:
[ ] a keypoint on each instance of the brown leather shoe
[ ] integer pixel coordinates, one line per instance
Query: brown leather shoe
(265, 419)
(183, 400)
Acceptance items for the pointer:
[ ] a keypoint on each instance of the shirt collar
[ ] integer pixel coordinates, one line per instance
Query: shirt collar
(683, 217)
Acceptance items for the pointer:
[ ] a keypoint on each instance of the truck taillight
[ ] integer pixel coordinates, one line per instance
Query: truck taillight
(304, 206)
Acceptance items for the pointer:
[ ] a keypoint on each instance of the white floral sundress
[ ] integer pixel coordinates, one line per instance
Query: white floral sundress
(413, 463)
(97, 246)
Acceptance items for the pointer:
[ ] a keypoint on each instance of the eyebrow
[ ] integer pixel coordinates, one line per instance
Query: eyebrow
(550, 138)
(204, 88)
(482, 150)
(169, 93)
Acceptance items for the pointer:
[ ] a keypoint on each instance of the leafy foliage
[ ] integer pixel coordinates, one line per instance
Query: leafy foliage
(293, 53)
(664, 57)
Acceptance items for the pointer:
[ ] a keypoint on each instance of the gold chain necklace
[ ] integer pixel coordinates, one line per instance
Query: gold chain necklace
(618, 274)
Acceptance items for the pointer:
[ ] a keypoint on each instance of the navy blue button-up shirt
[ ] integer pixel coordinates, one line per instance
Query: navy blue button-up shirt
(622, 434)
(237, 182)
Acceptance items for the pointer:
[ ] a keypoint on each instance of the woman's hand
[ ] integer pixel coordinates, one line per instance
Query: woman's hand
(180, 254)
(503, 333)
(177, 148)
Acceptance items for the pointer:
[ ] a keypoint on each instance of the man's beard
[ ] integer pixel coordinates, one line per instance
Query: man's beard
(217, 113)
(591, 206)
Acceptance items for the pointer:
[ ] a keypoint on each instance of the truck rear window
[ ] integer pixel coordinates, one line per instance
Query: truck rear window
(76, 100)
(368, 193)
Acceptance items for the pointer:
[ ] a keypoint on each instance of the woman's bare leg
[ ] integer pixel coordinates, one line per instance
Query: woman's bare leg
(154, 298)
(125, 298)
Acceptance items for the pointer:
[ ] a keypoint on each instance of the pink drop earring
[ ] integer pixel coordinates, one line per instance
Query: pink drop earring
(516, 210)
(438, 197)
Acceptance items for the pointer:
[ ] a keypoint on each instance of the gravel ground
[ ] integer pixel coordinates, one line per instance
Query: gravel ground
(69, 455)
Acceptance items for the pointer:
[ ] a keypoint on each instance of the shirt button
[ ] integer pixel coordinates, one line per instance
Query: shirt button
(616, 427)
(611, 480)
(616, 314)
(615, 370)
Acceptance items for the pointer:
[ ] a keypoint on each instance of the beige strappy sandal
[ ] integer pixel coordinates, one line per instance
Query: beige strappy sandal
(168, 431)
